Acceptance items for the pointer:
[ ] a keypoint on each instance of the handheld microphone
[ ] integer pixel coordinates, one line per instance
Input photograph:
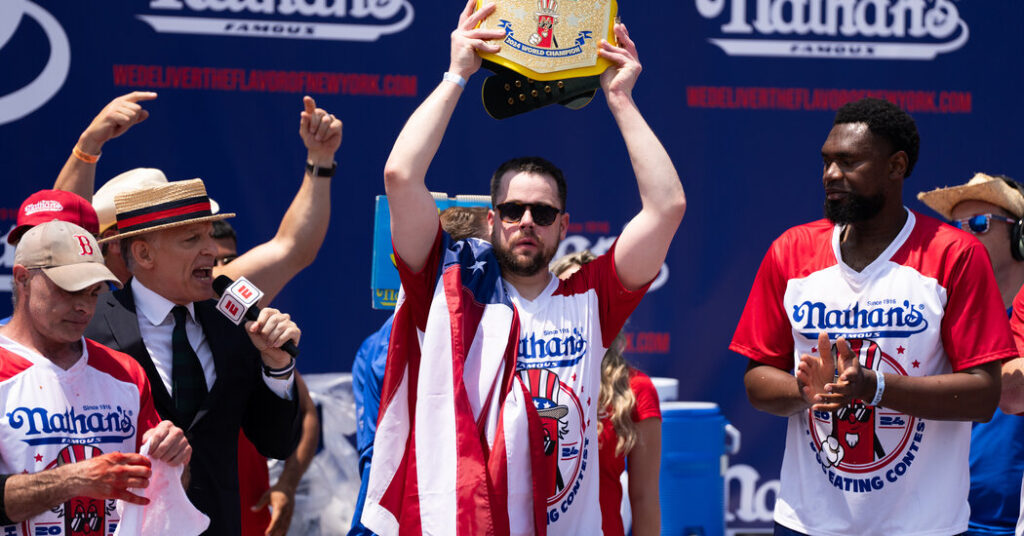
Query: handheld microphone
(238, 301)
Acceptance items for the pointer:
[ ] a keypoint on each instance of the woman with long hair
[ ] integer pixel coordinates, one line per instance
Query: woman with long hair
(629, 431)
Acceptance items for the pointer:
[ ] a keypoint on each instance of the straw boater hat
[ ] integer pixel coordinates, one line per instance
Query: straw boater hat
(981, 187)
(162, 207)
(131, 180)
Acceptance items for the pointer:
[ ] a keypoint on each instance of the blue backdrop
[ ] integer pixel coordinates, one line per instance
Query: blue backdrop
(742, 94)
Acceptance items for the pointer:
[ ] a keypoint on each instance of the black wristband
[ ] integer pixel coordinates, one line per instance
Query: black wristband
(4, 518)
(317, 171)
(279, 373)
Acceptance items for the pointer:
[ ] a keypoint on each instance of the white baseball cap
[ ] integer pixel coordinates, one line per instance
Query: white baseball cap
(66, 253)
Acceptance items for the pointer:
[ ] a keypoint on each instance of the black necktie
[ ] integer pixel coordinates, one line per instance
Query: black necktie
(187, 378)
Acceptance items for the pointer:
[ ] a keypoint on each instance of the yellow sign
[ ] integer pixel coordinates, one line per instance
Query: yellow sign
(552, 39)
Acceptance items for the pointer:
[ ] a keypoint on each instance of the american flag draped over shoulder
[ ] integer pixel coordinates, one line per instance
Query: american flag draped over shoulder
(454, 451)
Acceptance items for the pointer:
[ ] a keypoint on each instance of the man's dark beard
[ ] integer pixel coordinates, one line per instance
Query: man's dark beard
(854, 208)
(511, 265)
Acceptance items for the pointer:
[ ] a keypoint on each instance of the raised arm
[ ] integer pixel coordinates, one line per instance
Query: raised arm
(79, 172)
(414, 218)
(272, 264)
(644, 242)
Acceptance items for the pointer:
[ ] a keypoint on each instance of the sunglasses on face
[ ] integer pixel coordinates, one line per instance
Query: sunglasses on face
(979, 224)
(542, 214)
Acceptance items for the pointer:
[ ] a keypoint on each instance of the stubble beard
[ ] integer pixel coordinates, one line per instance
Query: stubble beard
(520, 265)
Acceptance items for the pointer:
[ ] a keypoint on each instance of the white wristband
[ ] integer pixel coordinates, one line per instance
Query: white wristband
(454, 78)
(879, 388)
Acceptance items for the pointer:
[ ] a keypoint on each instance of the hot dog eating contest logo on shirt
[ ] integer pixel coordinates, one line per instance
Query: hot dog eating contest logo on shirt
(566, 448)
(862, 448)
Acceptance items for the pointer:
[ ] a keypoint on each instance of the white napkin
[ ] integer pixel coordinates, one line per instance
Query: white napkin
(169, 512)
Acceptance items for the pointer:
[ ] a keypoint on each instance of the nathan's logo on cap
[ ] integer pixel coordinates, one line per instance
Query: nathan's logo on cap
(340, 20)
(909, 30)
(43, 206)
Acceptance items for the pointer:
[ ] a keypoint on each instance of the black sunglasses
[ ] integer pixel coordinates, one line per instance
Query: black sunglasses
(859, 410)
(979, 223)
(542, 214)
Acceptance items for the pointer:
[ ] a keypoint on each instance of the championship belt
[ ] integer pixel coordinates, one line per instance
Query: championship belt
(549, 53)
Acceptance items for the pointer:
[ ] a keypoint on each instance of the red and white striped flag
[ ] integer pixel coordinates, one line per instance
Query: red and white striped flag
(453, 452)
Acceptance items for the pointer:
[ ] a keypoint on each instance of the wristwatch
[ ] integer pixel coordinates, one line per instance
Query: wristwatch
(317, 171)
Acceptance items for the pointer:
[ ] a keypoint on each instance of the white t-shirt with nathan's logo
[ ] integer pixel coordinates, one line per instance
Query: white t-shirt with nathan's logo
(53, 417)
(564, 334)
(927, 305)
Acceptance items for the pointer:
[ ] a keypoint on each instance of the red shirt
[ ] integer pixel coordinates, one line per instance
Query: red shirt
(612, 466)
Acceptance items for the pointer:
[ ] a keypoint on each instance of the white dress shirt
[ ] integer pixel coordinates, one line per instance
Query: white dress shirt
(156, 323)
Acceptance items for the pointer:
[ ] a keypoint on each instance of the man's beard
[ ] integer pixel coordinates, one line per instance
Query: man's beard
(855, 208)
(511, 263)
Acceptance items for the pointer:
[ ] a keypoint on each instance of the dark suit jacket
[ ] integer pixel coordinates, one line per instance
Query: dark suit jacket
(239, 398)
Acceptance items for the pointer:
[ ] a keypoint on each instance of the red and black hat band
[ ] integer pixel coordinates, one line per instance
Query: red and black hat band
(164, 213)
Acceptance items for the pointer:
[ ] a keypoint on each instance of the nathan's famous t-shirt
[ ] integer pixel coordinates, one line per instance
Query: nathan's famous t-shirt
(54, 417)
(927, 305)
(563, 336)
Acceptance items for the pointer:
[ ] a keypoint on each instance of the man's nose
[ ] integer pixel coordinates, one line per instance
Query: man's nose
(527, 218)
(832, 172)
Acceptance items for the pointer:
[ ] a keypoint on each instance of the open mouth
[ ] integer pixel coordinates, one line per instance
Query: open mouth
(203, 274)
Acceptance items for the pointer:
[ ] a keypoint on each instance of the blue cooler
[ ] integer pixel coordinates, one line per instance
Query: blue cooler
(695, 440)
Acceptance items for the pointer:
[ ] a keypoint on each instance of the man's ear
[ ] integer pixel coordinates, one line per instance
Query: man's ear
(898, 163)
(143, 253)
(20, 274)
(564, 218)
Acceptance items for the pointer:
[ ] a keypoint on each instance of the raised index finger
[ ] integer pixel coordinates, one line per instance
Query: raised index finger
(136, 96)
(309, 104)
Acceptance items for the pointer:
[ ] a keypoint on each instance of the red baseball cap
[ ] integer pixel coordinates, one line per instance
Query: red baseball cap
(47, 205)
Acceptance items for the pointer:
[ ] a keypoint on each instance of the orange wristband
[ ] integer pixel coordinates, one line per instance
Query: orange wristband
(83, 156)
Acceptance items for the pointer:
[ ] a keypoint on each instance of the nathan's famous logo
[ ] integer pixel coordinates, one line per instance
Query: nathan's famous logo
(563, 435)
(542, 40)
(857, 440)
(887, 320)
(339, 20)
(554, 348)
(31, 93)
(82, 516)
(864, 29)
(94, 424)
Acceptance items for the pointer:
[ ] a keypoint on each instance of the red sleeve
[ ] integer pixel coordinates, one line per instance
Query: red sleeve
(647, 404)
(974, 326)
(614, 302)
(419, 286)
(764, 333)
